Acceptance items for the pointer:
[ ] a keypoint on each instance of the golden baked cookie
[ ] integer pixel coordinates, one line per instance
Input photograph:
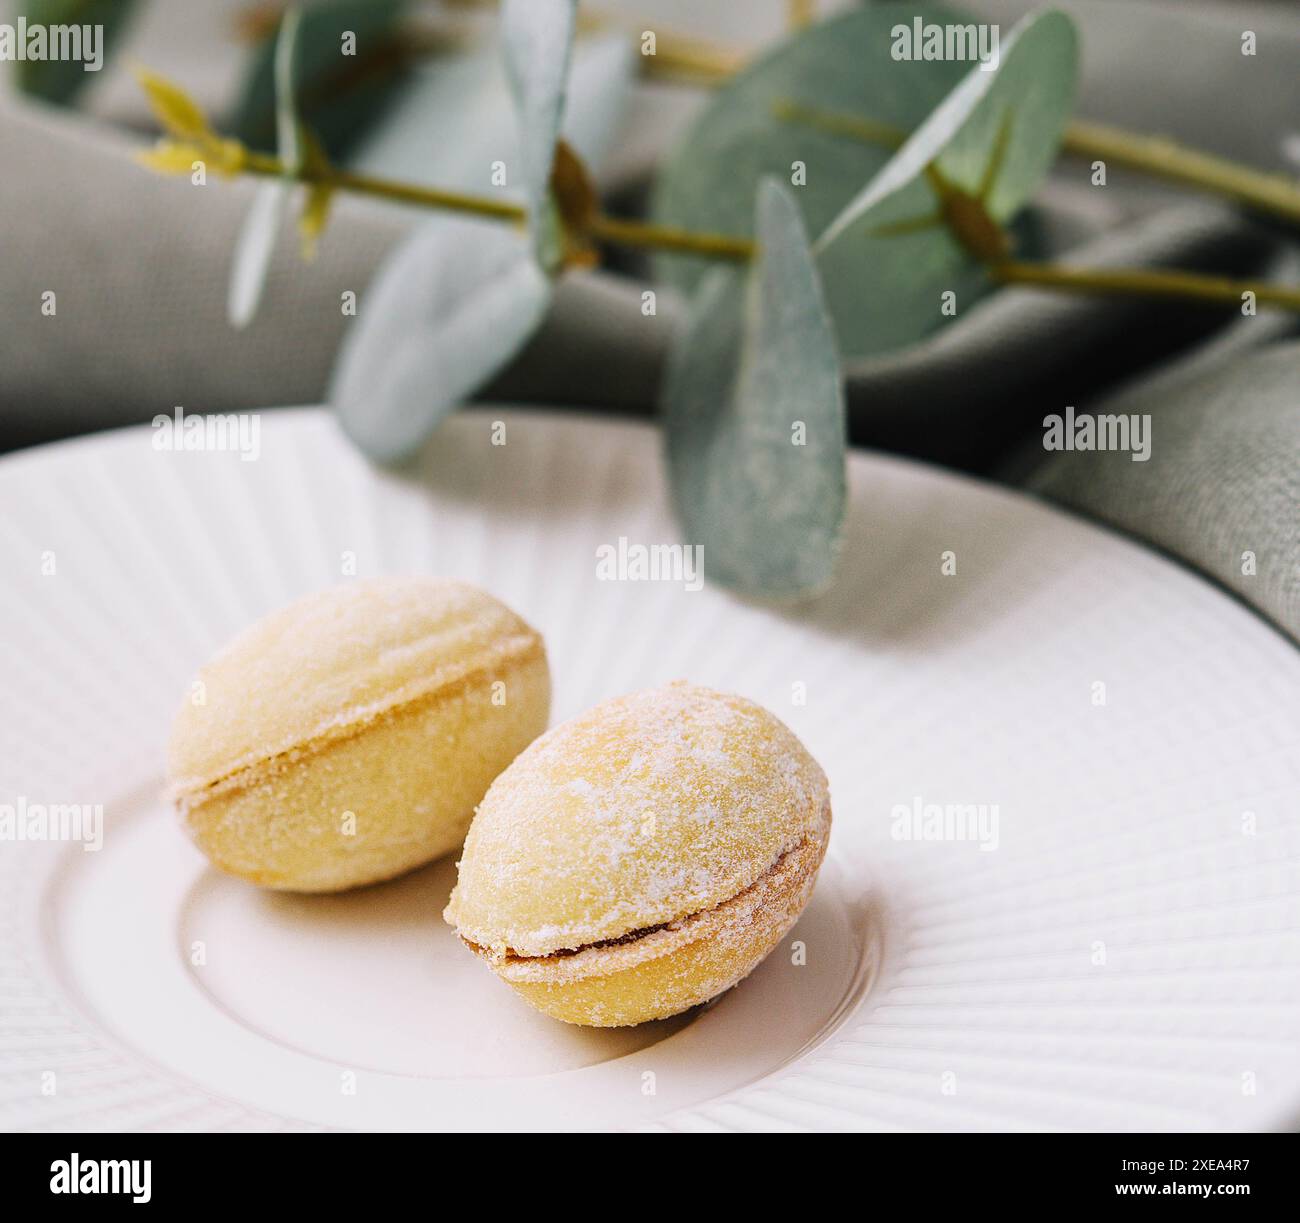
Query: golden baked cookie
(347, 738)
(643, 857)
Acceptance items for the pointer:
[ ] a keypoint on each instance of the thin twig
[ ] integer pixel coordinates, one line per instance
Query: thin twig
(616, 230)
(1145, 282)
(1275, 194)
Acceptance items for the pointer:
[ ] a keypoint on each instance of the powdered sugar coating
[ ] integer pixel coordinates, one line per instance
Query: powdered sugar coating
(343, 657)
(641, 811)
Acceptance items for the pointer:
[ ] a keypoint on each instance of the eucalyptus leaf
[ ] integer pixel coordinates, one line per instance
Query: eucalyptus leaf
(288, 142)
(601, 75)
(451, 120)
(885, 290)
(754, 416)
(537, 42)
(449, 308)
(338, 95)
(843, 65)
(255, 245)
(1032, 90)
(253, 251)
(456, 116)
(458, 299)
(60, 80)
(995, 135)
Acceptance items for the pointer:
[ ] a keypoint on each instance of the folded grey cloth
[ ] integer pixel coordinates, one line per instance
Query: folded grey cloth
(1177, 69)
(964, 395)
(139, 266)
(1221, 489)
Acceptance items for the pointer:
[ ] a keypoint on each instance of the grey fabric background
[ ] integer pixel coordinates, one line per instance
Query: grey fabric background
(1222, 479)
(140, 267)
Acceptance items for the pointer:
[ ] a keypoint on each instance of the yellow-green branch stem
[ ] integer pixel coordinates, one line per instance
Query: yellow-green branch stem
(670, 238)
(1139, 282)
(676, 56)
(607, 229)
(839, 123)
(691, 61)
(1273, 194)
(389, 189)
(1144, 282)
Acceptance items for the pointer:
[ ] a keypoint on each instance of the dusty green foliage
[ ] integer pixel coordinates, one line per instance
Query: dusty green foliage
(754, 416)
(60, 80)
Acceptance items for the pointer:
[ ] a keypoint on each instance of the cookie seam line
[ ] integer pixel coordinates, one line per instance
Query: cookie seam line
(588, 962)
(663, 941)
(818, 824)
(189, 793)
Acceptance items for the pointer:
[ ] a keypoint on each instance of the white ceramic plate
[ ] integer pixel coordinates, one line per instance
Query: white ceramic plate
(1125, 958)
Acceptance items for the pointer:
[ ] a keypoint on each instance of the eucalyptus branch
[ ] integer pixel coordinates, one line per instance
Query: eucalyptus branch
(1186, 286)
(191, 140)
(614, 230)
(266, 166)
(1144, 282)
(678, 56)
(691, 59)
(1274, 194)
(840, 123)
(1132, 282)
(670, 238)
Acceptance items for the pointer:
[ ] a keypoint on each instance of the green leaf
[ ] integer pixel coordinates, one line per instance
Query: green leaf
(59, 80)
(254, 248)
(284, 70)
(338, 95)
(255, 245)
(842, 65)
(456, 116)
(449, 308)
(451, 120)
(601, 77)
(1031, 90)
(537, 43)
(885, 288)
(179, 115)
(754, 416)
